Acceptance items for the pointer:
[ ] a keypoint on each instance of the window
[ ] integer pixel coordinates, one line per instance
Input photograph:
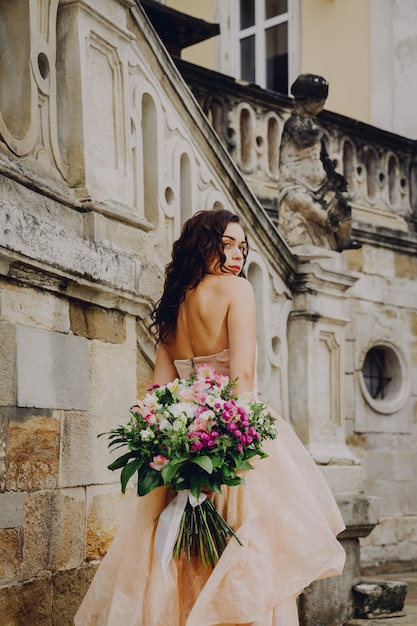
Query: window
(385, 380)
(376, 373)
(263, 43)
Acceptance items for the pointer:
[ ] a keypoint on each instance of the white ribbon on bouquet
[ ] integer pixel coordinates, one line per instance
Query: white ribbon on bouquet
(169, 524)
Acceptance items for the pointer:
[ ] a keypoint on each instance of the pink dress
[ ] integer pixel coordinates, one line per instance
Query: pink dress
(284, 514)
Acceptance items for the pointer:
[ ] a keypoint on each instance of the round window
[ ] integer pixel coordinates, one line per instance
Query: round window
(383, 379)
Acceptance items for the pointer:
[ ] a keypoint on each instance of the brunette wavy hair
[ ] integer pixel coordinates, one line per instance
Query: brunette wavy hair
(200, 243)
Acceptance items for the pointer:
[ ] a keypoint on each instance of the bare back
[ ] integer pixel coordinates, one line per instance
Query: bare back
(202, 319)
(218, 314)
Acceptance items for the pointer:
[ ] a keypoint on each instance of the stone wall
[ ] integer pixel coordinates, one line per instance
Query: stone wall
(383, 433)
(98, 170)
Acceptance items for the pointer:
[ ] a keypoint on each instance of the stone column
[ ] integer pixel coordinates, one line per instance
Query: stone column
(316, 339)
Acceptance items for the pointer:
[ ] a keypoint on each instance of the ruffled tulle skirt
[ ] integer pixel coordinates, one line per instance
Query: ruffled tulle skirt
(287, 520)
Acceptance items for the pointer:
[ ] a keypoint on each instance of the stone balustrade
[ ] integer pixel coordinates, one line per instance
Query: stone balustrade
(380, 167)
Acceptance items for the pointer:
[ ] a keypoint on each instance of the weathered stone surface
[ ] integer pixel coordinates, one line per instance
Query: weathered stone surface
(105, 511)
(26, 232)
(11, 509)
(97, 323)
(33, 307)
(53, 531)
(408, 619)
(113, 375)
(68, 589)
(405, 266)
(7, 364)
(354, 260)
(33, 454)
(374, 600)
(28, 604)
(84, 456)
(11, 543)
(5, 413)
(52, 369)
(378, 261)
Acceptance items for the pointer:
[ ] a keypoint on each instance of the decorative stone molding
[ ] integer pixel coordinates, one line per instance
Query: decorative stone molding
(28, 107)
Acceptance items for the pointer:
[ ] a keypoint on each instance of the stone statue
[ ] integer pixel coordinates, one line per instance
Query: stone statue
(312, 207)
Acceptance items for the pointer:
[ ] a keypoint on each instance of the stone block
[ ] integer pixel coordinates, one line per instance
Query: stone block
(7, 364)
(54, 531)
(33, 453)
(84, 456)
(354, 260)
(385, 533)
(105, 510)
(68, 589)
(11, 510)
(113, 376)
(33, 307)
(378, 464)
(380, 599)
(403, 465)
(144, 375)
(28, 604)
(406, 528)
(11, 543)
(95, 322)
(343, 478)
(5, 413)
(379, 261)
(52, 369)
(360, 513)
(405, 265)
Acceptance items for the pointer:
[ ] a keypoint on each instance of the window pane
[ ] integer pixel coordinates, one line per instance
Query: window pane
(247, 59)
(277, 58)
(275, 7)
(247, 13)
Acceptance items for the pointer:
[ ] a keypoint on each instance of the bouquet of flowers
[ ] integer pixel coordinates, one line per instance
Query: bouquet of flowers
(192, 435)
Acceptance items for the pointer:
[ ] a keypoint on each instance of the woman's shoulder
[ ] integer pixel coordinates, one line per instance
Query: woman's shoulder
(228, 281)
(235, 285)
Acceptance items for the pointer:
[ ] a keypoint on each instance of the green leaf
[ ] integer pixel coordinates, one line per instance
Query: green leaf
(204, 462)
(169, 470)
(243, 466)
(216, 460)
(196, 482)
(149, 479)
(128, 471)
(121, 461)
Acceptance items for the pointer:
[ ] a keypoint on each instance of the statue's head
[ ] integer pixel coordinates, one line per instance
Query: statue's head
(310, 87)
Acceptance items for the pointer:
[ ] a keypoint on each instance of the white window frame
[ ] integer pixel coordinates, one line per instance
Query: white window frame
(292, 17)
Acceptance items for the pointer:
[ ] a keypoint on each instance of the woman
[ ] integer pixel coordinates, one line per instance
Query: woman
(284, 514)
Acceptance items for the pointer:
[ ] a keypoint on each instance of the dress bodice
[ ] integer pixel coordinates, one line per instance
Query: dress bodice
(220, 361)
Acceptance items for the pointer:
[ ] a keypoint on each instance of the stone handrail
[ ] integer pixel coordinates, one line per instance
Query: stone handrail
(380, 167)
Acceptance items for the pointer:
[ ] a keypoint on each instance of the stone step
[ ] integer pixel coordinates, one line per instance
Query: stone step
(409, 619)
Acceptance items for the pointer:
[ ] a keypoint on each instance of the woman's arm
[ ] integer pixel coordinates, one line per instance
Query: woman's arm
(164, 371)
(241, 328)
